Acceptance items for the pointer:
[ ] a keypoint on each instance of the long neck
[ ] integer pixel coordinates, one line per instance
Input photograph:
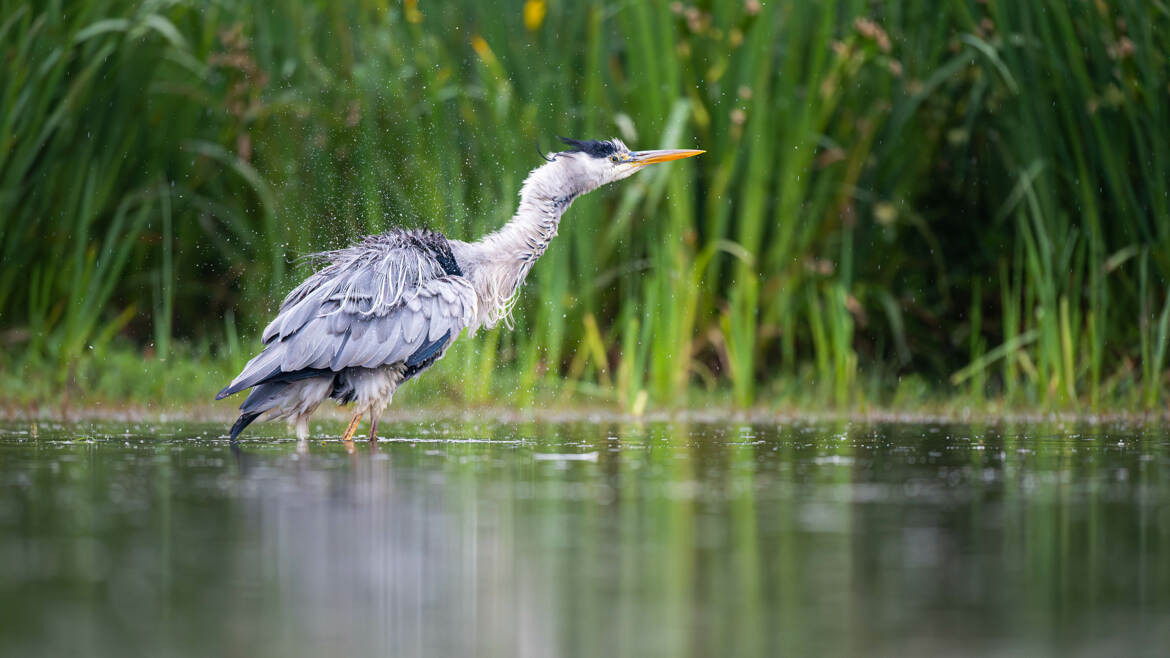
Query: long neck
(543, 200)
(500, 261)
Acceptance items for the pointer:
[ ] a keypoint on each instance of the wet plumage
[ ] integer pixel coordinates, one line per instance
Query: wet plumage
(387, 308)
(391, 303)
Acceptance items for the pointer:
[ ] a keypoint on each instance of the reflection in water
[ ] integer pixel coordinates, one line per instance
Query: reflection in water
(587, 540)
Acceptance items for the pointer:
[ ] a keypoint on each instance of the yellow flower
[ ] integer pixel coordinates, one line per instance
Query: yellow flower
(410, 9)
(534, 11)
(481, 47)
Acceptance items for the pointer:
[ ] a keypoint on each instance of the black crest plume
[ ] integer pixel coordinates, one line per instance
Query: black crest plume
(593, 147)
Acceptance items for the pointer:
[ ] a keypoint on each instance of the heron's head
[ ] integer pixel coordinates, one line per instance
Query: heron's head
(593, 163)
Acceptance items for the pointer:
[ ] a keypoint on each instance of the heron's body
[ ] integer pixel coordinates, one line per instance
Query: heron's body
(382, 311)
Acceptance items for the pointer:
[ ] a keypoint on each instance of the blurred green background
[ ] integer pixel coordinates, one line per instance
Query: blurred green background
(901, 201)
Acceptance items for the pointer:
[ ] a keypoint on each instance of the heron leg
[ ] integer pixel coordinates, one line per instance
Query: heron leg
(349, 431)
(302, 427)
(373, 427)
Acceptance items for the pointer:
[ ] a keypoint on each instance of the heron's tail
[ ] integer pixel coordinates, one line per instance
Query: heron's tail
(264, 397)
(291, 393)
(243, 421)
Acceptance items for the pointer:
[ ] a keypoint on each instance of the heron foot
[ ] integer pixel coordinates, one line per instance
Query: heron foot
(349, 431)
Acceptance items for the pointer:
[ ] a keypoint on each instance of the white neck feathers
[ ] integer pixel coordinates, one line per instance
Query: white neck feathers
(498, 263)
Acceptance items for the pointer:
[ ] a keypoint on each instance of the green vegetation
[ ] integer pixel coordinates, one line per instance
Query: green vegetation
(968, 198)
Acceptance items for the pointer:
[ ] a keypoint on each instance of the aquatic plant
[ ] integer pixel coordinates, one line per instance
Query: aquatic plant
(970, 195)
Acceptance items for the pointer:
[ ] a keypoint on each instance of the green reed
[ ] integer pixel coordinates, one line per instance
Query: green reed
(971, 192)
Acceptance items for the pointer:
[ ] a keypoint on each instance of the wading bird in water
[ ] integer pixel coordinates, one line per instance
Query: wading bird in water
(385, 309)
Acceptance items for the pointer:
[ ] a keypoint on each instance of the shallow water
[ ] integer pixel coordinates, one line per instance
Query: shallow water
(587, 539)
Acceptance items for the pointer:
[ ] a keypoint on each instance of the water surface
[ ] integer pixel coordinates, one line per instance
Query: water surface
(587, 539)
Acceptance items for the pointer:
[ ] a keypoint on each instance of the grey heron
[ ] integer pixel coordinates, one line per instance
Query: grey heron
(387, 308)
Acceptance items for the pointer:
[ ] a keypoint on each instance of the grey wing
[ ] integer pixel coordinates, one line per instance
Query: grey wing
(367, 321)
(413, 331)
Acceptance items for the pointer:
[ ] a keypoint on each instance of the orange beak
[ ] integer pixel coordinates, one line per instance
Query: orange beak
(666, 155)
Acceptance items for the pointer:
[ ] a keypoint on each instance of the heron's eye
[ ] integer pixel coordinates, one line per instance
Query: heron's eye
(614, 159)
